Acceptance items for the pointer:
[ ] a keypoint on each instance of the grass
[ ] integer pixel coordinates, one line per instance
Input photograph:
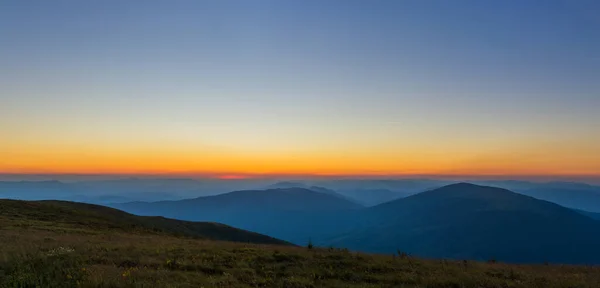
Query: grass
(46, 253)
(87, 218)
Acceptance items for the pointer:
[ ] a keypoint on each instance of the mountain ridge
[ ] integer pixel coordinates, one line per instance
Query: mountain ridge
(477, 222)
(291, 214)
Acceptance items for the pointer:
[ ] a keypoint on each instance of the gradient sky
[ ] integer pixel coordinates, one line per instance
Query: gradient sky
(313, 87)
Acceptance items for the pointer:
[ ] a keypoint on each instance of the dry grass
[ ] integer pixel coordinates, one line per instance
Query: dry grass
(33, 258)
(42, 253)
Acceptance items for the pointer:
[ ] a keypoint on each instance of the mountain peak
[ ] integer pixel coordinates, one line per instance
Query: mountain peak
(464, 185)
(468, 190)
(469, 221)
(286, 184)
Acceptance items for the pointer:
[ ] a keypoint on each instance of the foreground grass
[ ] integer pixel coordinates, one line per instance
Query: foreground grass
(30, 258)
(67, 245)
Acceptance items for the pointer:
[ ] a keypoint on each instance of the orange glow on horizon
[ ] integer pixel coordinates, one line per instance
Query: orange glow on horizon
(233, 177)
(236, 167)
(239, 163)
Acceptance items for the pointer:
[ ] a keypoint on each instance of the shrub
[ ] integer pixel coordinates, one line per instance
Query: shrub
(310, 244)
(401, 254)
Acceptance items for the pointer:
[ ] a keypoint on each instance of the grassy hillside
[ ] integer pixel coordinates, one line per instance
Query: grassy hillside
(87, 218)
(61, 244)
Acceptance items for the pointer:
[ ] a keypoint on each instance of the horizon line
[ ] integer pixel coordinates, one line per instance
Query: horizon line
(234, 175)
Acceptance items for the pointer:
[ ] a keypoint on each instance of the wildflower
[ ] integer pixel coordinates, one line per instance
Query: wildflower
(60, 251)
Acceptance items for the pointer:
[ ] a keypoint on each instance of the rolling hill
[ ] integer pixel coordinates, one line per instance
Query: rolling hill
(291, 185)
(584, 199)
(371, 192)
(466, 221)
(569, 194)
(291, 214)
(72, 215)
(593, 215)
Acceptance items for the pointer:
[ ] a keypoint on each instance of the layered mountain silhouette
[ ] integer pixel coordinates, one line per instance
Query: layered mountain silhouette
(292, 214)
(584, 199)
(458, 221)
(569, 194)
(372, 197)
(466, 221)
(593, 215)
(290, 185)
(373, 192)
(122, 190)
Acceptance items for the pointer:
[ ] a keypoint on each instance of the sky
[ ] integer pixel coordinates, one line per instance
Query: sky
(300, 87)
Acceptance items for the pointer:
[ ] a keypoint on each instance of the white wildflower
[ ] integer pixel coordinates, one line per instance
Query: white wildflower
(60, 251)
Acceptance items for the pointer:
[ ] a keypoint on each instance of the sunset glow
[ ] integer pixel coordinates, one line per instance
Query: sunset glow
(308, 89)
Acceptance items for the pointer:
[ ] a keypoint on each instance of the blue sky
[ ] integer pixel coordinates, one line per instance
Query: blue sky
(440, 78)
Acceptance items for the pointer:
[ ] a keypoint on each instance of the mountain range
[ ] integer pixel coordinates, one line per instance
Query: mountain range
(366, 192)
(514, 221)
(457, 221)
(292, 214)
(466, 221)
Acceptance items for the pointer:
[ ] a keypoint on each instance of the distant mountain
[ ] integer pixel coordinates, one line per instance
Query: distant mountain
(593, 215)
(73, 215)
(292, 199)
(294, 184)
(164, 188)
(35, 190)
(334, 193)
(569, 185)
(294, 214)
(111, 191)
(569, 194)
(373, 192)
(372, 197)
(287, 185)
(466, 221)
(513, 185)
(96, 192)
(584, 199)
(362, 191)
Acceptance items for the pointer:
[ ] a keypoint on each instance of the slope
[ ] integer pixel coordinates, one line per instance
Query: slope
(54, 258)
(294, 214)
(569, 194)
(584, 199)
(70, 216)
(290, 185)
(593, 215)
(466, 221)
